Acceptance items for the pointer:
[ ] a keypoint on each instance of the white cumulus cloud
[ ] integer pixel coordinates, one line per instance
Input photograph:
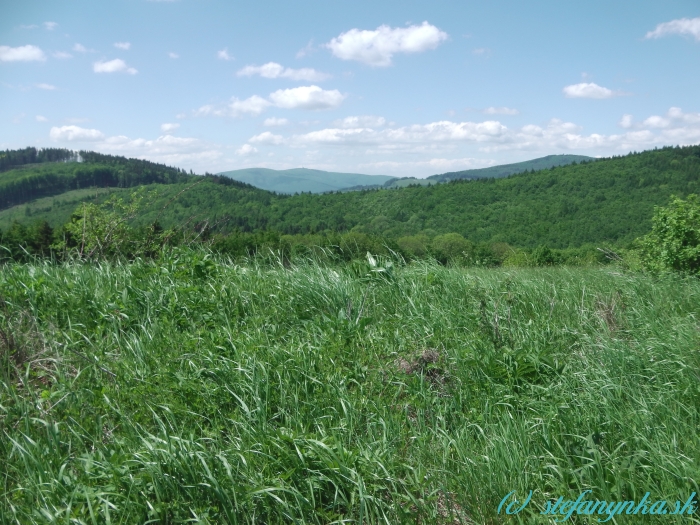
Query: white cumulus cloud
(588, 90)
(681, 26)
(113, 66)
(169, 127)
(626, 121)
(26, 53)
(307, 97)
(501, 111)
(223, 54)
(123, 45)
(274, 121)
(377, 47)
(275, 70)
(74, 133)
(246, 149)
(267, 137)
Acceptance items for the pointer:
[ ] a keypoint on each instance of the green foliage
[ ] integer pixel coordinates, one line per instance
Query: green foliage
(505, 170)
(20, 157)
(674, 241)
(451, 246)
(97, 232)
(604, 202)
(195, 390)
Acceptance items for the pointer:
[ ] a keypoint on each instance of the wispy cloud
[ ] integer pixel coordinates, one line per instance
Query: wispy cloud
(113, 66)
(589, 90)
(377, 47)
(363, 121)
(275, 70)
(50, 25)
(173, 55)
(223, 55)
(49, 87)
(254, 105)
(502, 110)
(61, 55)
(123, 45)
(306, 50)
(274, 122)
(681, 26)
(169, 127)
(481, 51)
(267, 137)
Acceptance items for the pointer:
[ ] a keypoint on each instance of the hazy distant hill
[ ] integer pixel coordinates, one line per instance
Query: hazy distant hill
(302, 179)
(509, 169)
(494, 172)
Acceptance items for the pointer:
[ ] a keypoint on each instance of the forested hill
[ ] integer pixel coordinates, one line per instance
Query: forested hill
(496, 172)
(608, 200)
(30, 174)
(504, 170)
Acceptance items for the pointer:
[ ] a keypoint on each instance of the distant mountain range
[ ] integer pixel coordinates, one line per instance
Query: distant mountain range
(493, 172)
(317, 181)
(303, 179)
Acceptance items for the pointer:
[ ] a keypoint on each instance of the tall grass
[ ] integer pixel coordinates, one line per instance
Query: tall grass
(195, 390)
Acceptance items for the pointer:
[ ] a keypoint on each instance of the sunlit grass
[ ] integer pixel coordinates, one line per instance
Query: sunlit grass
(201, 391)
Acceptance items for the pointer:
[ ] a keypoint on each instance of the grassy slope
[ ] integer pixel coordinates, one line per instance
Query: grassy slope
(302, 179)
(199, 390)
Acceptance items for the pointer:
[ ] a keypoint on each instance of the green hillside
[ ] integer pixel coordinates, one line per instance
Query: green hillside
(509, 169)
(302, 179)
(500, 171)
(610, 200)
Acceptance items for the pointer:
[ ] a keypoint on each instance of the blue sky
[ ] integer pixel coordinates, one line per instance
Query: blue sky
(400, 88)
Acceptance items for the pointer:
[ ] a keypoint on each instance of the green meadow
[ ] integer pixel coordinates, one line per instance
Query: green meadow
(195, 389)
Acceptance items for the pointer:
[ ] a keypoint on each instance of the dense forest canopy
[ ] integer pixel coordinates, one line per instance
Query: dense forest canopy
(605, 201)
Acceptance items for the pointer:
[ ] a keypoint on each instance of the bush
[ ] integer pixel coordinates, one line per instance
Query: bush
(674, 241)
(451, 246)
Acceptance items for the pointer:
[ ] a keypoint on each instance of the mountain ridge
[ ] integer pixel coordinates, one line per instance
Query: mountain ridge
(301, 180)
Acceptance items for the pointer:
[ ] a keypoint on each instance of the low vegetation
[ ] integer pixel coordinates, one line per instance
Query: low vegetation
(163, 371)
(193, 389)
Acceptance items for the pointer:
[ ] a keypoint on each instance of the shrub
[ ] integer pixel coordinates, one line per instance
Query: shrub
(674, 241)
(451, 246)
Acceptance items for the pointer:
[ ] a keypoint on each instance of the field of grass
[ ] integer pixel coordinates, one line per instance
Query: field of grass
(195, 390)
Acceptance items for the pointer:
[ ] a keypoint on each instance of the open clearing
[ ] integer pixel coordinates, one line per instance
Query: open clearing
(197, 390)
